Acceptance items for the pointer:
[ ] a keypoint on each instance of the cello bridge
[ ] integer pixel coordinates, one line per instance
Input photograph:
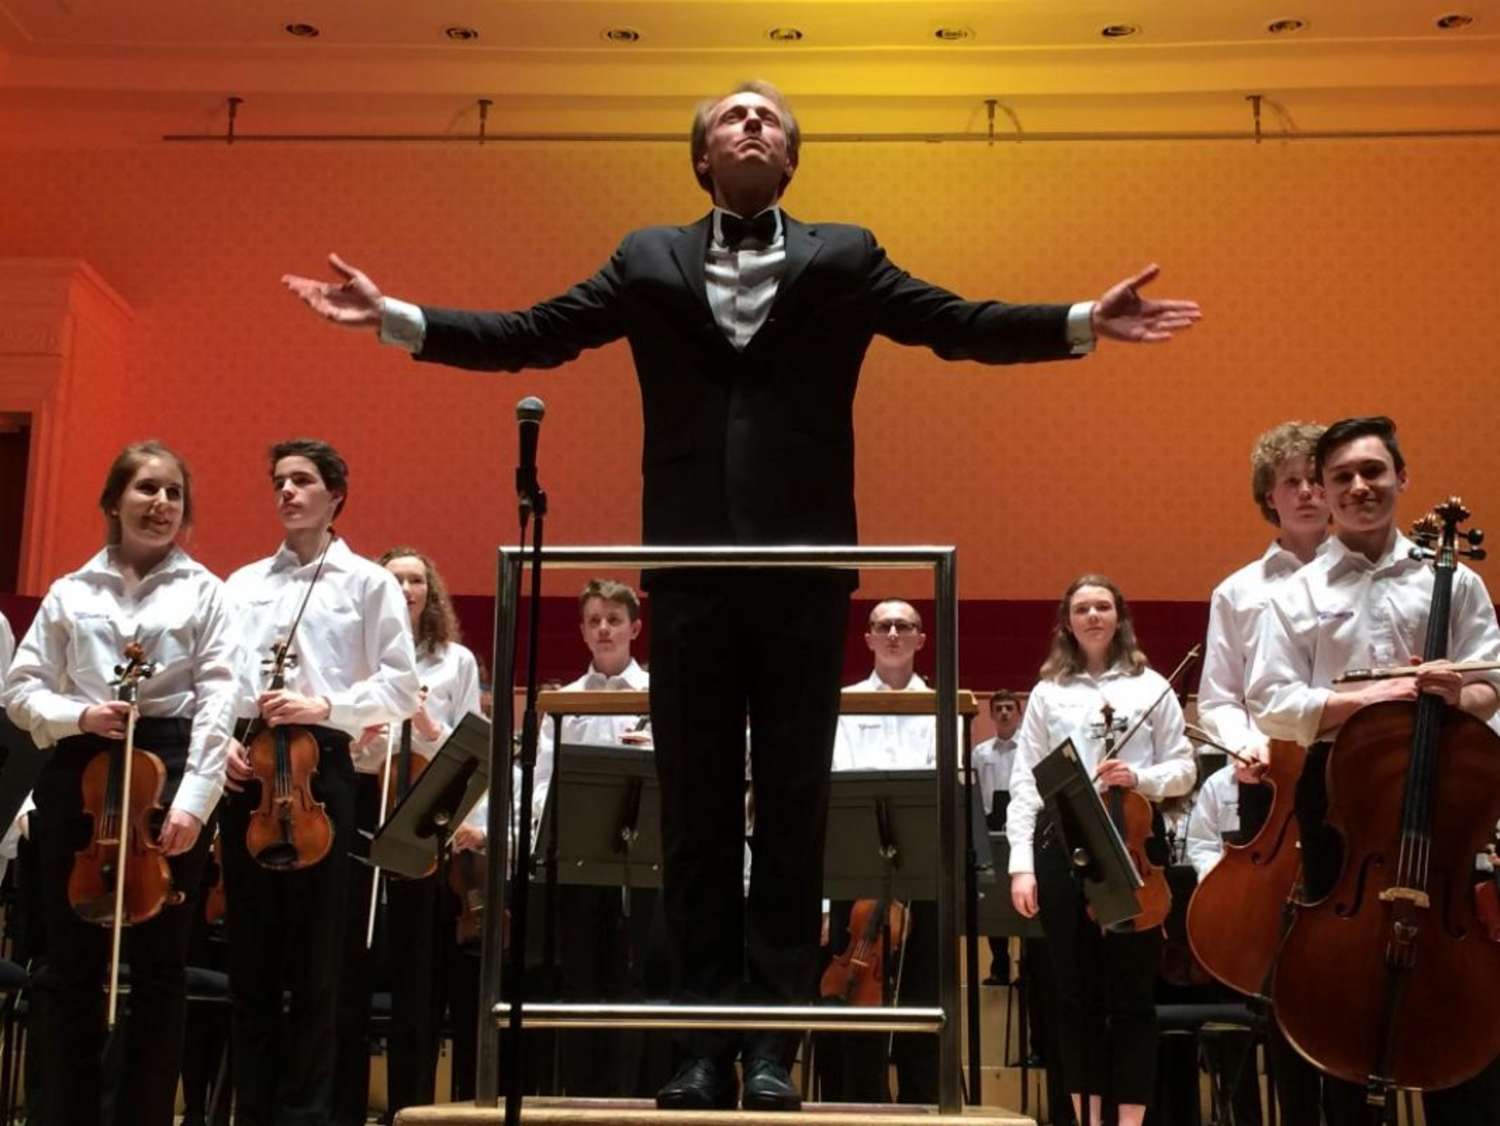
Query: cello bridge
(1415, 896)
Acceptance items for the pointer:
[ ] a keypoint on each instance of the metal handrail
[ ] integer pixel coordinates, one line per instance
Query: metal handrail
(943, 562)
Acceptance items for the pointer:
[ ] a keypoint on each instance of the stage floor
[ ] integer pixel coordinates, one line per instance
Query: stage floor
(641, 1112)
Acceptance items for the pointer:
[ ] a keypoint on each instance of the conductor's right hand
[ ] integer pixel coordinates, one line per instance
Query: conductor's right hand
(1023, 894)
(355, 302)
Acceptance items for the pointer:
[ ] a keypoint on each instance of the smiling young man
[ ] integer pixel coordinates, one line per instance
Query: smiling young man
(748, 329)
(1363, 602)
(355, 668)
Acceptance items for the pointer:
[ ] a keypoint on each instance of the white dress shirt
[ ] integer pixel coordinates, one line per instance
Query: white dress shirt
(993, 761)
(1215, 812)
(7, 646)
(1057, 711)
(353, 646)
(1233, 629)
(178, 613)
(451, 676)
(740, 285)
(1341, 612)
(885, 742)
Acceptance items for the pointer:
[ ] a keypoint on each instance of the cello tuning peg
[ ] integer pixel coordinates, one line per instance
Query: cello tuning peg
(1473, 536)
(1474, 553)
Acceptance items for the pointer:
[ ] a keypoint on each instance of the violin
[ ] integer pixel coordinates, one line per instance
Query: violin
(1388, 980)
(1243, 906)
(467, 872)
(289, 829)
(857, 976)
(406, 768)
(121, 876)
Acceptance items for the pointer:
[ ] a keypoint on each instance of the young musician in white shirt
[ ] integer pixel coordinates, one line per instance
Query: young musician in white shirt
(143, 588)
(1095, 662)
(355, 668)
(993, 760)
(1364, 602)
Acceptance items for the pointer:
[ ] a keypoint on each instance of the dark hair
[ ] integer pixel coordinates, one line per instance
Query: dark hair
(1004, 695)
(123, 470)
(1346, 430)
(611, 591)
(1273, 449)
(698, 140)
(1066, 658)
(438, 624)
(327, 460)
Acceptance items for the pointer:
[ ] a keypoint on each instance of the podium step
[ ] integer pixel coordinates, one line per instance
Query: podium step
(642, 1112)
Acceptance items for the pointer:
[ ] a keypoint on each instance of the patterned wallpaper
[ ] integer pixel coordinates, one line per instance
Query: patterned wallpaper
(1337, 277)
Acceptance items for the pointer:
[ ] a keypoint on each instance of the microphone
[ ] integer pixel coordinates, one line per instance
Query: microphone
(529, 412)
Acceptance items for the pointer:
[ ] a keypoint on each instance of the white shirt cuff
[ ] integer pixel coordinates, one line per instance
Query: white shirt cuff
(1021, 861)
(197, 796)
(402, 324)
(1080, 328)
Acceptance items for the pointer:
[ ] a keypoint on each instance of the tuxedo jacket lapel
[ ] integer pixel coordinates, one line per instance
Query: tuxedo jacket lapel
(690, 252)
(802, 246)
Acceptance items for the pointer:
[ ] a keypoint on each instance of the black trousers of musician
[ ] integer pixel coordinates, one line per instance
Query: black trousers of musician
(853, 1066)
(457, 974)
(207, 1022)
(1106, 986)
(286, 931)
(403, 960)
(78, 953)
(723, 646)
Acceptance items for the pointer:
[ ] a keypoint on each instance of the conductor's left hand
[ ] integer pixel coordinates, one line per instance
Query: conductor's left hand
(355, 301)
(1123, 314)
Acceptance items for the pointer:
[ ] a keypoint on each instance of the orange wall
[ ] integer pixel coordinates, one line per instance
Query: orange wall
(1336, 277)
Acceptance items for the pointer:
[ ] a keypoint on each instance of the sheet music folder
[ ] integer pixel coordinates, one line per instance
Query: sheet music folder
(456, 778)
(606, 790)
(1100, 861)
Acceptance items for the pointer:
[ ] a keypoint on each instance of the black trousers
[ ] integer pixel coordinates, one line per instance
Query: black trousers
(286, 931)
(1105, 986)
(401, 960)
(73, 1036)
(723, 647)
(456, 973)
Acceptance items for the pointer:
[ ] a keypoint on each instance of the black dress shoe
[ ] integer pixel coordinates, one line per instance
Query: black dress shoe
(769, 1087)
(702, 1083)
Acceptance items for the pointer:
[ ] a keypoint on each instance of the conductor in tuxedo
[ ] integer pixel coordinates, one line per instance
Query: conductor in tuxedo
(747, 329)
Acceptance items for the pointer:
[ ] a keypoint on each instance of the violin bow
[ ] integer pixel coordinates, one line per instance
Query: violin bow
(1192, 655)
(135, 669)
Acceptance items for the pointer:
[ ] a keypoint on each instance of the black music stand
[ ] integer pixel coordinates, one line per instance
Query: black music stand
(1092, 842)
(417, 832)
(612, 834)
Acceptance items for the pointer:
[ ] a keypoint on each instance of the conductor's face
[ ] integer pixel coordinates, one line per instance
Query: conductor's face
(746, 148)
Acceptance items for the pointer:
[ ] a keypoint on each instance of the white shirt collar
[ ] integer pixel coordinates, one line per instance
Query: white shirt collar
(104, 564)
(1277, 561)
(633, 678)
(338, 557)
(1342, 558)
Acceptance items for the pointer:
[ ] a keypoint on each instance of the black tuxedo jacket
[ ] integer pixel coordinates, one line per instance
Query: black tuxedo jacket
(752, 447)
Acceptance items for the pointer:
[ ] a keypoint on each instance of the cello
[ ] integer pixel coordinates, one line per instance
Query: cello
(121, 876)
(1389, 980)
(1242, 908)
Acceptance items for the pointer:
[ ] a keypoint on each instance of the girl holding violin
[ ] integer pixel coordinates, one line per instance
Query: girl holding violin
(1095, 687)
(326, 652)
(449, 676)
(140, 590)
(1364, 603)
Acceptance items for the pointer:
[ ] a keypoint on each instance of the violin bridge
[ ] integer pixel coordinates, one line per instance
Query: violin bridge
(1415, 896)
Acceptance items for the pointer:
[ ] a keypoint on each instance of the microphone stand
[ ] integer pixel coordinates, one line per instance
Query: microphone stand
(533, 503)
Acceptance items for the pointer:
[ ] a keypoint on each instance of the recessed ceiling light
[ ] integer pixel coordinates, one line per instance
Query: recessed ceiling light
(1283, 26)
(1453, 21)
(621, 34)
(953, 34)
(784, 34)
(461, 33)
(301, 30)
(1119, 30)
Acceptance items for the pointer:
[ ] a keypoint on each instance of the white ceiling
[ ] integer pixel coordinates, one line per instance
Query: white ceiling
(134, 69)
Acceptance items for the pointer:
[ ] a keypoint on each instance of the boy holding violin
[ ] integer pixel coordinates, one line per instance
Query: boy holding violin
(342, 661)
(854, 1067)
(1364, 602)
